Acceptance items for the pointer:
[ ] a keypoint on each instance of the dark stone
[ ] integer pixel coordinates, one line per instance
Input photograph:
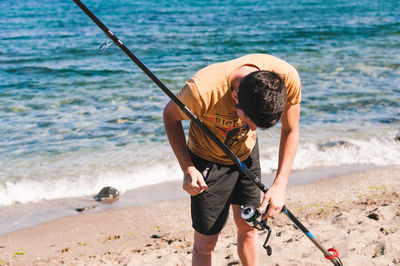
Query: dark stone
(373, 216)
(85, 208)
(107, 193)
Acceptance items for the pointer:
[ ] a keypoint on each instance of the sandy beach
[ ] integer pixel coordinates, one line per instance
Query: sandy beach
(77, 115)
(358, 213)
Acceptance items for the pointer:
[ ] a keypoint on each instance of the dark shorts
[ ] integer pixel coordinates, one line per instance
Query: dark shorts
(226, 185)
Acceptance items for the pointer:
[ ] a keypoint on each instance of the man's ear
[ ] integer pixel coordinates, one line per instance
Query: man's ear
(235, 97)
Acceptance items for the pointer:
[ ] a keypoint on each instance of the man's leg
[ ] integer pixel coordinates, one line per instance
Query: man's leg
(247, 239)
(202, 249)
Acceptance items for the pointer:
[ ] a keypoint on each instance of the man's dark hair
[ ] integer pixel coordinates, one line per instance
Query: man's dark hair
(262, 97)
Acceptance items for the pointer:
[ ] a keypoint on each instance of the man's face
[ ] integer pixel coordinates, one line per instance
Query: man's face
(245, 119)
(241, 114)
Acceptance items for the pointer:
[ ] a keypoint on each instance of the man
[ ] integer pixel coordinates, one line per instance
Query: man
(232, 99)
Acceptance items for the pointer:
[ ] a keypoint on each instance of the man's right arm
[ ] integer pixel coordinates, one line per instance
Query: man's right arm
(193, 181)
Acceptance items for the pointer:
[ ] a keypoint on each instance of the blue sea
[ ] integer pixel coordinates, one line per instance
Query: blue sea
(73, 120)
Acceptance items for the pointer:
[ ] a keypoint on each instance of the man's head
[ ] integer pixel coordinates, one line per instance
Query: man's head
(262, 98)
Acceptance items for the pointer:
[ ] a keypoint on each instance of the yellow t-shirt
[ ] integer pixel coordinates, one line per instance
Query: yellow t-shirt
(209, 96)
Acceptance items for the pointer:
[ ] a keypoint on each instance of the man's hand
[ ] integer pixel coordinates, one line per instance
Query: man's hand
(193, 181)
(275, 197)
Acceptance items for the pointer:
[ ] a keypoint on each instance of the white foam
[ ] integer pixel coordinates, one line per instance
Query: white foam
(374, 151)
(28, 190)
(85, 175)
(380, 151)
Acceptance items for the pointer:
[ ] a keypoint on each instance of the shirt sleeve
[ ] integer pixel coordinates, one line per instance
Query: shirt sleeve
(189, 96)
(293, 86)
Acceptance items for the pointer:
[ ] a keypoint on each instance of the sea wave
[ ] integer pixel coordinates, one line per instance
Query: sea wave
(85, 175)
(34, 190)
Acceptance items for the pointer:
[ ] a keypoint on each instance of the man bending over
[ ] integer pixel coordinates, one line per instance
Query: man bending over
(232, 99)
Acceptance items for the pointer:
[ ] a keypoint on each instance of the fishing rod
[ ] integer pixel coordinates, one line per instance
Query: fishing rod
(330, 254)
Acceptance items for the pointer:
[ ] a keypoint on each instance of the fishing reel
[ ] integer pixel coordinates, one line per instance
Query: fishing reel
(250, 214)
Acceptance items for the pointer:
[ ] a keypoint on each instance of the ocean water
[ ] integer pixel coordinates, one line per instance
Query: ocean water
(73, 120)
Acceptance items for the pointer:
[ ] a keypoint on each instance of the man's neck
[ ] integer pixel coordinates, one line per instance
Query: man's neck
(241, 73)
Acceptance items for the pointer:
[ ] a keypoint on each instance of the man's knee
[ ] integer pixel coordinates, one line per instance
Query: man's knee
(204, 244)
(246, 229)
(243, 227)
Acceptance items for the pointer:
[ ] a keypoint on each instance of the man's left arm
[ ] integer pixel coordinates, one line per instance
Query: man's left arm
(275, 196)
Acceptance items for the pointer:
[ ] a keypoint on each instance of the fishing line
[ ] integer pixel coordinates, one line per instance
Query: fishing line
(331, 254)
